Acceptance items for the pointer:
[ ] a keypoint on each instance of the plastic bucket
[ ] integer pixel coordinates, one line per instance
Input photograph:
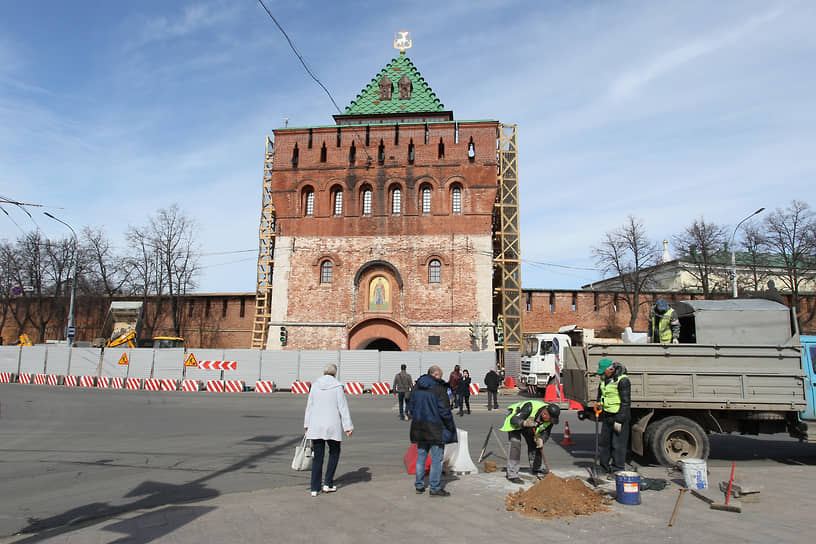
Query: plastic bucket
(628, 486)
(695, 473)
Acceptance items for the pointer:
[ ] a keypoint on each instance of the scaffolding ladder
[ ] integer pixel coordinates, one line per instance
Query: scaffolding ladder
(266, 252)
(507, 241)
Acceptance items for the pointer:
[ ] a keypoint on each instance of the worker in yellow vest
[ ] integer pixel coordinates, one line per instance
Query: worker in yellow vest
(533, 420)
(615, 399)
(664, 327)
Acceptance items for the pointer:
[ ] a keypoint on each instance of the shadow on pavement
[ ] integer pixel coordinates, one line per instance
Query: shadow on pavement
(153, 495)
(362, 474)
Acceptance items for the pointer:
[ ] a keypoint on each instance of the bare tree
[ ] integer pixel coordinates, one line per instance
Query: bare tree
(702, 244)
(755, 259)
(107, 272)
(167, 260)
(789, 236)
(630, 256)
(9, 285)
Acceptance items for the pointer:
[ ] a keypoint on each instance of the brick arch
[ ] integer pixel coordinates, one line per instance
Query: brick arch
(373, 329)
(374, 264)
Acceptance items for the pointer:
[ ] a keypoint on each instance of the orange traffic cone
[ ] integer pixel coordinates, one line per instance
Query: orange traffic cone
(567, 438)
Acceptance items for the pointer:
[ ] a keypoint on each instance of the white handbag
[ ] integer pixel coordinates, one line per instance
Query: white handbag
(303, 455)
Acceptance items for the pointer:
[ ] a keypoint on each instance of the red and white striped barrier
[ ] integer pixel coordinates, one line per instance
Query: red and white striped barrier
(160, 384)
(40, 379)
(264, 386)
(86, 381)
(354, 388)
(24, 378)
(103, 382)
(380, 388)
(5, 377)
(189, 385)
(233, 386)
(53, 379)
(215, 386)
(133, 384)
(117, 383)
(218, 365)
(300, 387)
(474, 389)
(70, 381)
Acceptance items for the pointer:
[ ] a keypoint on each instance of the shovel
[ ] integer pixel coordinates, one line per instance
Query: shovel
(594, 473)
(728, 507)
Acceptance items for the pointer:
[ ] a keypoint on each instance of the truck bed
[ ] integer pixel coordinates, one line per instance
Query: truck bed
(695, 376)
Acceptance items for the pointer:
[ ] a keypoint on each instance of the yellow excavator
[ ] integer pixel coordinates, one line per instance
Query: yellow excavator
(128, 338)
(24, 340)
(123, 325)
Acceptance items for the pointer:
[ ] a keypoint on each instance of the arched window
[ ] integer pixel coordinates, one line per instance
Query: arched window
(338, 202)
(396, 201)
(426, 199)
(367, 201)
(456, 200)
(326, 268)
(434, 271)
(308, 202)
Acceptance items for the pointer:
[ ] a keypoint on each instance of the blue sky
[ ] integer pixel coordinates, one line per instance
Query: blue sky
(665, 110)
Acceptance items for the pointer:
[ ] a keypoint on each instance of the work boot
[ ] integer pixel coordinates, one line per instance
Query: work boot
(440, 493)
(516, 480)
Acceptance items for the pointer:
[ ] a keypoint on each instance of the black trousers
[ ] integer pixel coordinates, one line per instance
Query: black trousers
(612, 446)
(491, 399)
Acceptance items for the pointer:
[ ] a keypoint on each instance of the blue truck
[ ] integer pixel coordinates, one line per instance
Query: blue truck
(741, 367)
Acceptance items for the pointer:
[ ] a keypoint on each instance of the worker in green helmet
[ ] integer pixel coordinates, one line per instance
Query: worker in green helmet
(615, 398)
(532, 420)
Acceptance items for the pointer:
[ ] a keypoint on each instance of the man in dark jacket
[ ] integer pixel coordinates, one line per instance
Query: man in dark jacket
(432, 427)
(615, 399)
(402, 386)
(491, 382)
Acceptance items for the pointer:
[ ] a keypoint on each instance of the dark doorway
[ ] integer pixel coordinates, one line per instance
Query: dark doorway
(382, 344)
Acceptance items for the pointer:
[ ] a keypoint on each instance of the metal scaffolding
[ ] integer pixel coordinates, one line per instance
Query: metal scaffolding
(507, 242)
(266, 252)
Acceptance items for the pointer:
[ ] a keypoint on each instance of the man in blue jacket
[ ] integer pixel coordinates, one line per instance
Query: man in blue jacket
(432, 427)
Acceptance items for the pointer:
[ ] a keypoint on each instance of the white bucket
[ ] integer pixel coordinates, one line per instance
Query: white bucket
(695, 473)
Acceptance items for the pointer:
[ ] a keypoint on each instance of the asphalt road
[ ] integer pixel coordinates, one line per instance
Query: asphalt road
(69, 454)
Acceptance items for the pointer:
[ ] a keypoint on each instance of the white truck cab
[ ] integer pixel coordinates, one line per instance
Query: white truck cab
(541, 356)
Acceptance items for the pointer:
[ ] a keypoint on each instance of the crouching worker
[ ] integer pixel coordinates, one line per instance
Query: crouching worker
(534, 421)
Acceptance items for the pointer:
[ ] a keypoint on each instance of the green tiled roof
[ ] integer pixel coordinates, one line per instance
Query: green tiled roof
(423, 99)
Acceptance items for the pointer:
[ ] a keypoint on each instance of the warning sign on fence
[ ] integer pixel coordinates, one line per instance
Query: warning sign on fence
(190, 360)
(123, 360)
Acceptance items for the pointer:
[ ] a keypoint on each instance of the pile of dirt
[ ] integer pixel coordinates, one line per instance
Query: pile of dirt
(554, 497)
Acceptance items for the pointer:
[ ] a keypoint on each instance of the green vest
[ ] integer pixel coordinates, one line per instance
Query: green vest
(610, 397)
(662, 324)
(537, 405)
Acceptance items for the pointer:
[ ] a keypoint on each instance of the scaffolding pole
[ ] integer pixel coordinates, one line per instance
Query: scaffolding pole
(266, 252)
(507, 241)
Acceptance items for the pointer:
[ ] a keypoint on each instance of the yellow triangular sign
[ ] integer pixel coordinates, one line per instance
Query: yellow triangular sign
(123, 360)
(190, 360)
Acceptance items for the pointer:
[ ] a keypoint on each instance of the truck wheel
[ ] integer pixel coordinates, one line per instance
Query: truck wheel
(676, 438)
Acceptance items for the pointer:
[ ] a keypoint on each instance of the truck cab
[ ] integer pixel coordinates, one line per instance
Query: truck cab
(809, 366)
(541, 356)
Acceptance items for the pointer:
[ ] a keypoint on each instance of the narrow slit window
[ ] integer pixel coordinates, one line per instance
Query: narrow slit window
(574, 302)
(338, 136)
(323, 153)
(552, 302)
(224, 308)
(456, 133)
(368, 135)
(295, 156)
(411, 152)
(441, 149)
(426, 200)
(352, 153)
(381, 152)
(310, 139)
(338, 202)
(396, 134)
(427, 133)
(366, 201)
(471, 150)
(207, 308)
(243, 308)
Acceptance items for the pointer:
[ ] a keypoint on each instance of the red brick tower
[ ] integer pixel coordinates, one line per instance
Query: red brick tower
(384, 225)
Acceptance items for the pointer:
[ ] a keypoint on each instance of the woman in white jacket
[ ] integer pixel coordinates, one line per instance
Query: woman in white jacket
(327, 418)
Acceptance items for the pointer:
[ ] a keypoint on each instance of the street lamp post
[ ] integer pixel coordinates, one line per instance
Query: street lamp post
(70, 327)
(734, 253)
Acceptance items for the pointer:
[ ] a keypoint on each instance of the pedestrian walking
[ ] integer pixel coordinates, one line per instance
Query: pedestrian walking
(402, 389)
(491, 382)
(453, 383)
(464, 392)
(327, 418)
(432, 427)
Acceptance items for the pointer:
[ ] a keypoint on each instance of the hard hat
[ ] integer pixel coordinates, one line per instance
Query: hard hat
(554, 412)
(661, 305)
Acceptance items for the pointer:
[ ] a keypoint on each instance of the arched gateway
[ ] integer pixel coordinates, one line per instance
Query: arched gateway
(380, 334)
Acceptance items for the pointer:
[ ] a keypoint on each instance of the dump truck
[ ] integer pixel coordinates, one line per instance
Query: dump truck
(740, 367)
(540, 360)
